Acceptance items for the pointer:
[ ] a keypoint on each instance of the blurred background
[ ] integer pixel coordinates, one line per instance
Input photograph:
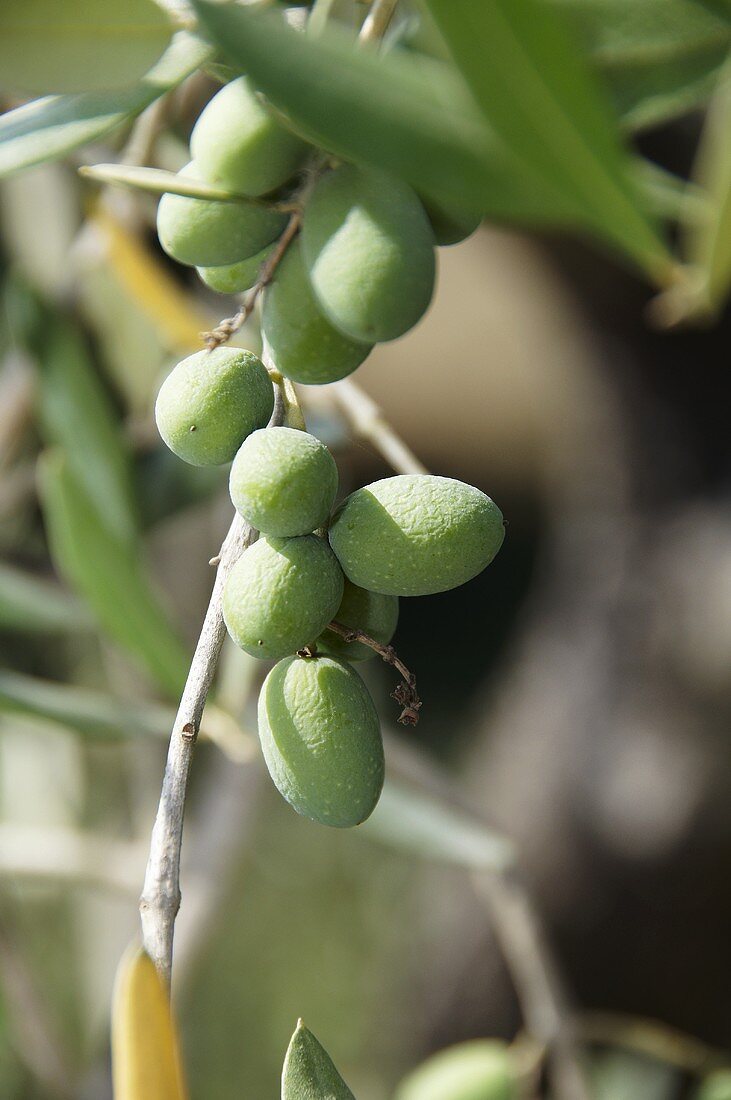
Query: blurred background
(577, 691)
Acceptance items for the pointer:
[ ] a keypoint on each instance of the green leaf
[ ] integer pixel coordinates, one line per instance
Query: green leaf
(108, 573)
(87, 45)
(424, 825)
(76, 413)
(89, 712)
(309, 1073)
(407, 113)
(49, 128)
(31, 605)
(659, 58)
(537, 93)
(156, 181)
(708, 243)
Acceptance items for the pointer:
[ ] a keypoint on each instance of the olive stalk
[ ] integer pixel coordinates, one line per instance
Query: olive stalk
(405, 693)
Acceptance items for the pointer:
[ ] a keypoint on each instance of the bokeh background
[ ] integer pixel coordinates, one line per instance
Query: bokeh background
(577, 692)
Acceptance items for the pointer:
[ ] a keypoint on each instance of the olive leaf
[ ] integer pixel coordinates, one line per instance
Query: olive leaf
(49, 128)
(425, 825)
(145, 1056)
(412, 115)
(309, 1072)
(708, 242)
(156, 181)
(78, 45)
(659, 58)
(34, 605)
(92, 713)
(108, 573)
(538, 94)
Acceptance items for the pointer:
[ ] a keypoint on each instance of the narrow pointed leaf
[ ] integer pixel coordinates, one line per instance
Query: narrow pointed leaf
(309, 1072)
(88, 712)
(412, 115)
(49, 128)
(145, 1053)
(76, 413)
(537, 93)
(659, 58)
(33, 605)
(108, 573)
(424, 825)
(78, 45)
(156, 181)
(708, 243)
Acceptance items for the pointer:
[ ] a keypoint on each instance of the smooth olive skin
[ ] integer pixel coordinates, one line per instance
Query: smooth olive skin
(234, 278)
(476, 1070)
(371, 612)
(281, 594)
(202, 233)
(369, 250)
(239, 144)
(415, 534)
(305, 346)
(210, 402)
(284, 481)
(451, 226)
(321, 740)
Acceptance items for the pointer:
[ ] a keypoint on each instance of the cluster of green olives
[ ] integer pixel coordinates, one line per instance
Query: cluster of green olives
(362, 270)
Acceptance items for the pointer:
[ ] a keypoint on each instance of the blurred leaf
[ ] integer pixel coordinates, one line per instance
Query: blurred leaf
(407, 113)
(30, 604)
(425, 825)
(145, 1056)
(708, 243)
(669, 196)
(537, 92)
(88, 712)
(156, 181)
(51, 127)
(660, 58)
(108, 573)
(77, 414)
(309, 1073)
(177, 318)
(86, 45)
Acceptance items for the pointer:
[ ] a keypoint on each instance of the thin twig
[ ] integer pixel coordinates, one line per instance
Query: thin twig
(160, 899)
(368, 421)
(405, 693)
(539, 988)
(225, 329)
(651, 1038)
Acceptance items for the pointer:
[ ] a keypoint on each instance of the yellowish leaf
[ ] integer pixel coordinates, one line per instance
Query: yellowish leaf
(145, 1058)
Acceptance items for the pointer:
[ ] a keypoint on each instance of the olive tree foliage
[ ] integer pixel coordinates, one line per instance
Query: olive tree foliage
(519, 112)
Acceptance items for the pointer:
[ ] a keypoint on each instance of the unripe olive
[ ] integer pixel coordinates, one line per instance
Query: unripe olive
(371, 612)
(415, 534)
(211, 401)
(234, 278)
(321, 739)
(203, 233)
(716, 1086)
(281, 594)
(477, 1070)
(450, 225)
(284, 482)
(239, 144)
(369, 250)
(305, 346)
